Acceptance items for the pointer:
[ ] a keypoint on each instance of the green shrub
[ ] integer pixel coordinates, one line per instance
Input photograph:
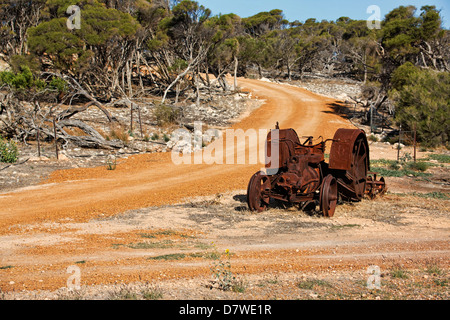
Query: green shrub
(25, 80)
(418, 166)
(58, 84)
(9, 152)
(442, 158)
(21, 80)
(166, 138)
(165, 114)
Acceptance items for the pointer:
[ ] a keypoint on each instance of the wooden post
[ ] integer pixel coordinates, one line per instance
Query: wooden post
(399, 141)
(415, 141)
(131, 121)
(140, 122)
(38, 142)
(56, 139)
(371, 119)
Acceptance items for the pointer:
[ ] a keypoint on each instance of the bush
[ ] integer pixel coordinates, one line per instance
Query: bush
(9, 152)
(25, 80)
(418, 166)
(21, 80)
(165, 114)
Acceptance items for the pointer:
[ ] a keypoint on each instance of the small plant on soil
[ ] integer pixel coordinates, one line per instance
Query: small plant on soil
(111, 163)
(224, 277)
(9, 152)
(221, 270)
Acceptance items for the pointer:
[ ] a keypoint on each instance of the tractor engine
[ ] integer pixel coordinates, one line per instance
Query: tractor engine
(302, 176)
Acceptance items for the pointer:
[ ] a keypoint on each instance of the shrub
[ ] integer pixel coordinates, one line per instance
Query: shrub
(165, 114)
(25, 80)
(418, 166)
(21, 80)
(166, 138)
(9, 152)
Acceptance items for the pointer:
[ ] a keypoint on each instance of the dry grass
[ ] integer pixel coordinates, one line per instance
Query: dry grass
(120, 133)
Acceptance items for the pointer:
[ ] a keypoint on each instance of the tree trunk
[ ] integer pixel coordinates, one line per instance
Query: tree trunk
(197, 85)
(130, 87)
(236, 64)
(181, 75)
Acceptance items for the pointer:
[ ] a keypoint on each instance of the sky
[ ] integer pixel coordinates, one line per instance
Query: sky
(302, 10)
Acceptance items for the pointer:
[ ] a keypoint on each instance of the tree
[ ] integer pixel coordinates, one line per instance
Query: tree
(422, 100)
(253, 51)
(16, 17)
(94, 54)
(264, 22)
(225, 47)
(190, 38)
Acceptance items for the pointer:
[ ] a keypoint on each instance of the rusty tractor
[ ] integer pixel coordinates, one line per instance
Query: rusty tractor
(302, 176)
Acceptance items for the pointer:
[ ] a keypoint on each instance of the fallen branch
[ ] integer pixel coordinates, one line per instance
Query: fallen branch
(93, 140)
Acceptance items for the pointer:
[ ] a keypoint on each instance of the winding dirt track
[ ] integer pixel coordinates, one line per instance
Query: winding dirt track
(153, 179)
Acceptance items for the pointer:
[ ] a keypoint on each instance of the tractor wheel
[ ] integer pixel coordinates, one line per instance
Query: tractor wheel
(257, 192)
(328, 196)
(359, 168)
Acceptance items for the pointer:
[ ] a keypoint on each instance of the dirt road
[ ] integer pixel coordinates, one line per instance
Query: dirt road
(153, 222)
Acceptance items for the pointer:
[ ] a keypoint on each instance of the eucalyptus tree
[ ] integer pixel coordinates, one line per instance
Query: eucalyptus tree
(95, 54)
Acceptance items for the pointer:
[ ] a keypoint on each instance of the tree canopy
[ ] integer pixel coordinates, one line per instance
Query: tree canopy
(167, 47)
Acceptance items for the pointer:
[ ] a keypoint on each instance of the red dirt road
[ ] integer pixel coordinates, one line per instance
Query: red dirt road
(153, 179)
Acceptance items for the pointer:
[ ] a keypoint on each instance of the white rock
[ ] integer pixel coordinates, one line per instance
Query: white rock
(62, 157)
(38, 159)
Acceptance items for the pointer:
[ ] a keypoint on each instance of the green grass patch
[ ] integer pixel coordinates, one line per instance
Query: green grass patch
(180, 256)
(152, 294)
(151, 245)
(164, 233)
(418, 166)
(393, 168)
(174, 256)
(311, 283)
(428, 195)
(399, 273)
(442, 158)
(339, 227)
(434, 269)
(399, 173)
(441, 282)
(6, 267)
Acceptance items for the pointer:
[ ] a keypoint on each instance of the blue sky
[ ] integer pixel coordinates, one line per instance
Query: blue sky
(320, 9)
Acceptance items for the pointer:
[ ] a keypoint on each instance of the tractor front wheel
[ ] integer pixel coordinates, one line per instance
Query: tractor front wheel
(328, 196)
(257, 192)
